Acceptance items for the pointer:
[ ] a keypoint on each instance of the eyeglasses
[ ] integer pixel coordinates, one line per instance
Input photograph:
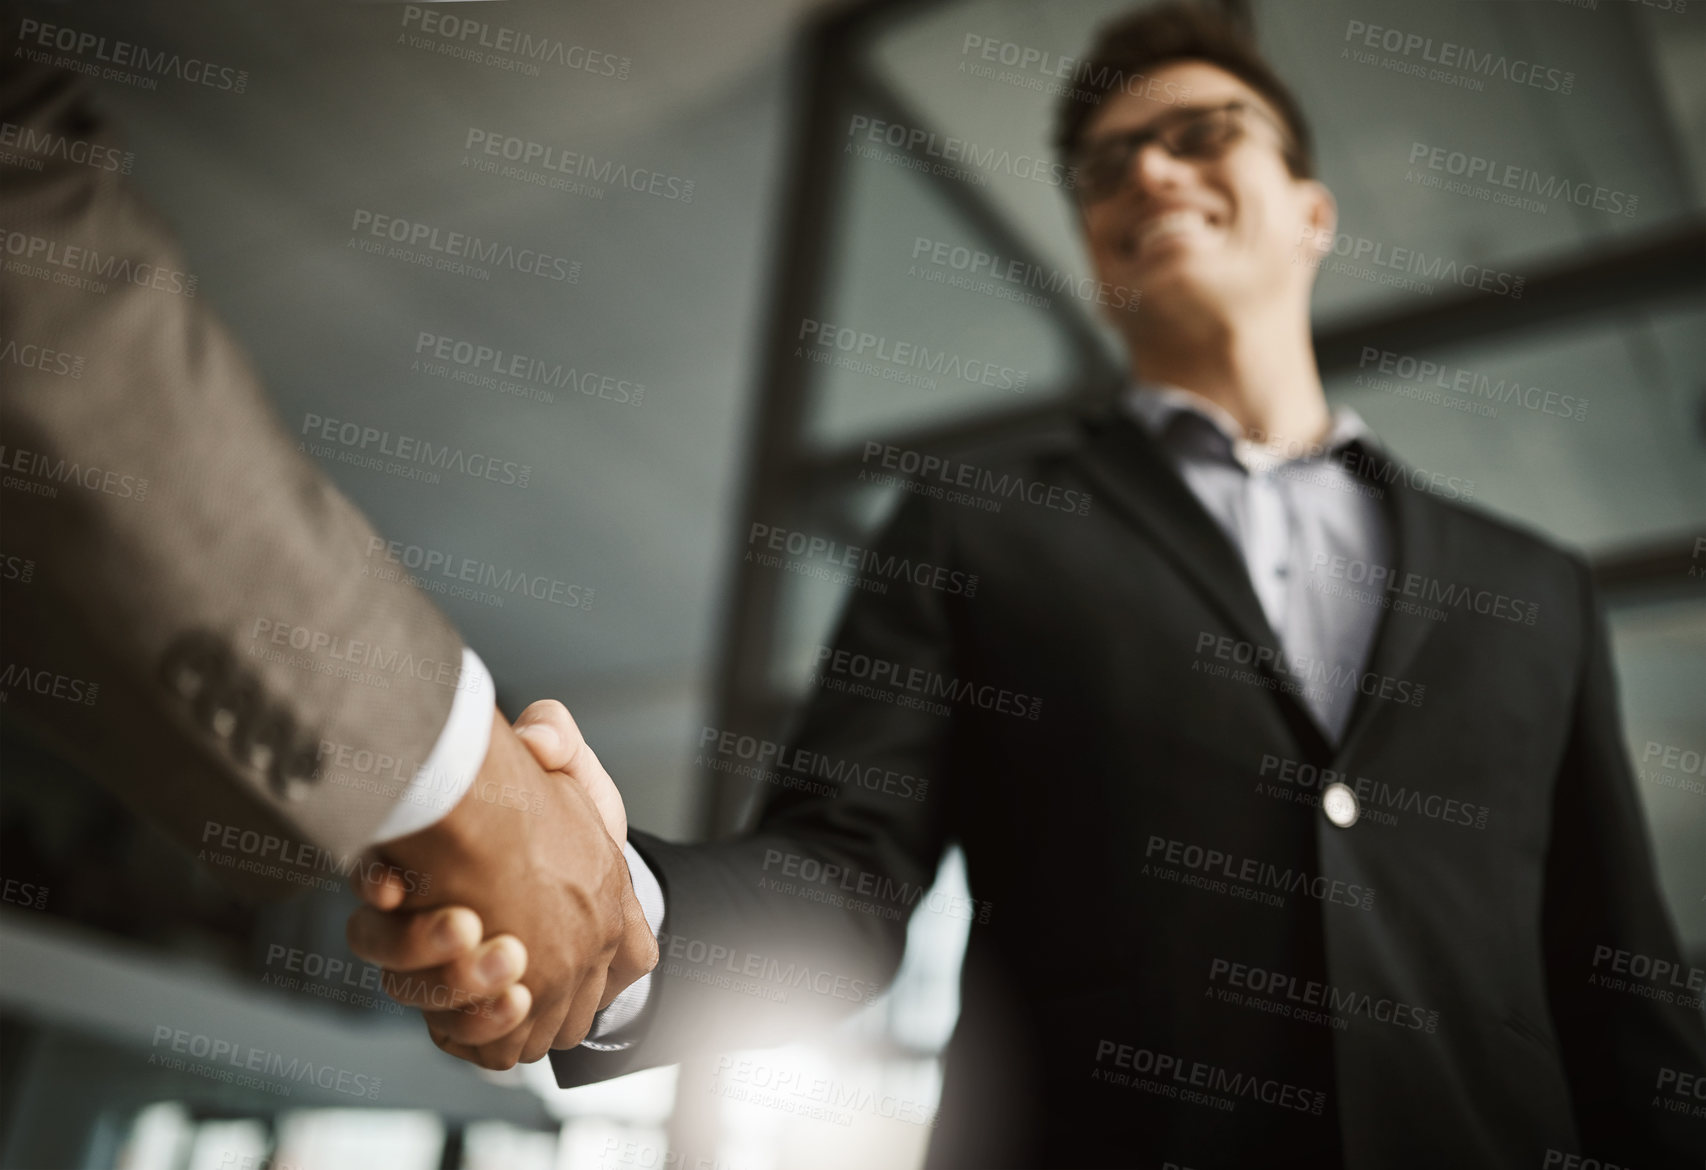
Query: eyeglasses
(1198, 132)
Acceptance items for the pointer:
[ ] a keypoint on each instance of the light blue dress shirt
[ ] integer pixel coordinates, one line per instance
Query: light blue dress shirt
(1291, 512)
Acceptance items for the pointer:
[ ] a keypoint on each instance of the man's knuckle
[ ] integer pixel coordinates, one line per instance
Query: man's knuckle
(357, 933)
(548, 711)
(424, 930)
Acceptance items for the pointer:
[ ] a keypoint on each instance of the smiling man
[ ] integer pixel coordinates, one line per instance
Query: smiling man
(1272, 864)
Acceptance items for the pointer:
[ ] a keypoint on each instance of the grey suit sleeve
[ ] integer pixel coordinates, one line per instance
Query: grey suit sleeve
(199, 624)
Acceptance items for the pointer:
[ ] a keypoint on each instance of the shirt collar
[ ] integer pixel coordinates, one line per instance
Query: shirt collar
(1157, 407)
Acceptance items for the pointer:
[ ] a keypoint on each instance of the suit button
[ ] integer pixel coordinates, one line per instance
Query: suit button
(291, 787)
(187, 681)
(1340, 805)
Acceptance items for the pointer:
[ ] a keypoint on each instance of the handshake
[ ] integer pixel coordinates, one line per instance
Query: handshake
(530, 924)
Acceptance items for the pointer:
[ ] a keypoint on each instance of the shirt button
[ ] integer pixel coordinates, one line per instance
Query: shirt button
(1340, 805)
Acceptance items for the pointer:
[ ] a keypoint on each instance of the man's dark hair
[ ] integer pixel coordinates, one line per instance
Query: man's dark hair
(1128, 49)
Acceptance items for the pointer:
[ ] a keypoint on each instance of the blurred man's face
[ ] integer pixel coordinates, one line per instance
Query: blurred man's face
(1205, 215)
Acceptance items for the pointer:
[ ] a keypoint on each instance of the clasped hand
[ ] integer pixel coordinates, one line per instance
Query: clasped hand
(520, 922)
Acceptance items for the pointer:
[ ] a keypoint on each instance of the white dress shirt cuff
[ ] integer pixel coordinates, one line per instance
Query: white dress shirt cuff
(449, 771)
(608, 1024)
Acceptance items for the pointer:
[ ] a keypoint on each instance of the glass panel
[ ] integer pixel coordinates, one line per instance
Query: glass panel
(1442, 149)
(1436, 167)
(1587, 431)
(991, 72)
(929, 319)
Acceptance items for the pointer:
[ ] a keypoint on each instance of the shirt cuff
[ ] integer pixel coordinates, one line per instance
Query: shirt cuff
(608, 1024)
(449, 771)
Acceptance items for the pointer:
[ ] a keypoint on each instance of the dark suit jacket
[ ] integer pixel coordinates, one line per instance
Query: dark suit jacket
(1175, 956)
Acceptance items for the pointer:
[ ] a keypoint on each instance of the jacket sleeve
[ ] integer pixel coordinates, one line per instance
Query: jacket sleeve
(802, 920)
(193, 614)
(1624, 1052)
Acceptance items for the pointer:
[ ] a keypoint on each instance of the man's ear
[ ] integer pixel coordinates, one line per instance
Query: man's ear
(1322, 215)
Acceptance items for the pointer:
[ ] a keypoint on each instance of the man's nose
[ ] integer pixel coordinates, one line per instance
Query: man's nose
(1153, 168)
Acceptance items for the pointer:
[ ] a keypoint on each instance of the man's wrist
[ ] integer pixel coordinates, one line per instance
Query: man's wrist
(609, 1025)
(450, 769)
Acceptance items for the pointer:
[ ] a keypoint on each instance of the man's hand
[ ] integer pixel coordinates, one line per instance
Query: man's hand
(435, 960)
(531, 853)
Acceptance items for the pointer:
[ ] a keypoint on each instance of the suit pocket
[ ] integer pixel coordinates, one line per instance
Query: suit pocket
(1527, 1080)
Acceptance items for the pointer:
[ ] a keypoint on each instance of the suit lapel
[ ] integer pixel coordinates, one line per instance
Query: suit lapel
(1418, 545)
(1135, 477)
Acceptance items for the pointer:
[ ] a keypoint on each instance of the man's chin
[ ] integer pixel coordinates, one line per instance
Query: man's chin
(1172, 277)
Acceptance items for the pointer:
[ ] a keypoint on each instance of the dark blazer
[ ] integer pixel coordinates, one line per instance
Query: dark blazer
(1174, 955)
